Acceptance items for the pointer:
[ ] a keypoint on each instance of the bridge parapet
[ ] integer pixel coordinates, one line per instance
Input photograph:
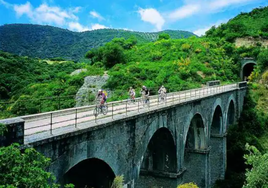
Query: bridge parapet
(54, 123)
(14, 132)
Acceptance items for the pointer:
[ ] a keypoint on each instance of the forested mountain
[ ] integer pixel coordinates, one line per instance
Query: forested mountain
(253, 24)
(49, 42)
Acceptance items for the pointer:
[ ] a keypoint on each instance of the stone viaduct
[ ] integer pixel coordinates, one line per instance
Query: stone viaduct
(165, 147)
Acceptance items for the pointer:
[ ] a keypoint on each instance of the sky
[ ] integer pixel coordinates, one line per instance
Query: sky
(139, 15)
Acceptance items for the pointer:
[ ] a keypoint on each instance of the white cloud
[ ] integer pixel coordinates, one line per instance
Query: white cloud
(94, 14)
(202, 31)
(152, 16)
(45, 14)
(216, 5)
(75, 26)
(193, 7)
(24, 9)
(97, 26)
(76, 9)
(184, 11)
(6, 4)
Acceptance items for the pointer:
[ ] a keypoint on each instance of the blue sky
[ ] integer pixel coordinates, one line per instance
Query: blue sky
(140, 15)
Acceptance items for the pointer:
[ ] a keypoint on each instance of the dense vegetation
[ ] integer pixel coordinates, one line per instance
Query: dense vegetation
(50, 42)
(179, 64)
(252, 24)
(33, 85)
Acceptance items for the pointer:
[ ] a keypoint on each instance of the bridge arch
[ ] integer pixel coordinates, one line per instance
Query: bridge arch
(160, 154)
(195, 151)
(230, 116)
(196, 134)
(217, 121)
(92, 172)
(247, 69)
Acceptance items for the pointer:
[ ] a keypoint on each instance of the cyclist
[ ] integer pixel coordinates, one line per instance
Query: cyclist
(145, 92)
(162, 92)
(101, 97)
(132, 94)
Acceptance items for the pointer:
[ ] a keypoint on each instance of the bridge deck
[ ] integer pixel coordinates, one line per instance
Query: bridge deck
(45, 125)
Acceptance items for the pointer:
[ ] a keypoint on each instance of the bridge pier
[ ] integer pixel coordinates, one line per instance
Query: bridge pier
(158, 179)
(197, 164)
(217, 158)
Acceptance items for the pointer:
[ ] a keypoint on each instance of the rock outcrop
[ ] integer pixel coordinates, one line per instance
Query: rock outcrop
(89, 89)
(78, 71)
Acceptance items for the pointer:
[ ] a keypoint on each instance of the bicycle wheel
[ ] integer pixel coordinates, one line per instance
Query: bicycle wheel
(96, 111)
(105, 109)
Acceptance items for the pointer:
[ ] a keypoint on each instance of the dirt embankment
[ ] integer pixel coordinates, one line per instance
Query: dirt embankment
(250, 41)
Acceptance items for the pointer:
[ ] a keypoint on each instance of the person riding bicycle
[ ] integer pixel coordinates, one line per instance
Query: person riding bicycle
(162, 89)
(146, 93)
(132, 93)
(102, 97)
(162, 92)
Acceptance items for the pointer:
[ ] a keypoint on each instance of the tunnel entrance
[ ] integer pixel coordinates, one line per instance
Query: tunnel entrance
(231, 114)
(216, 127)
(161, 153)
(247, 70)
(90, 173)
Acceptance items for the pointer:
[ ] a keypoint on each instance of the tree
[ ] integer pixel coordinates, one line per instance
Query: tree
(24, 168)
(257, 176)
(113, 54)
(163, 36)
(263, 59)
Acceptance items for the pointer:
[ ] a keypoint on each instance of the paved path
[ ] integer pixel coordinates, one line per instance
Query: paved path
(50, 124)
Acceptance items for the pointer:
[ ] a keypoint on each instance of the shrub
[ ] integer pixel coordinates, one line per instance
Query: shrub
(188, 185)
(118, 182)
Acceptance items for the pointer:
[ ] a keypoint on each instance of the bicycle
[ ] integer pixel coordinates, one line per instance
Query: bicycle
(145, 99)
(162, 97)
(100, 108)
(131, 100)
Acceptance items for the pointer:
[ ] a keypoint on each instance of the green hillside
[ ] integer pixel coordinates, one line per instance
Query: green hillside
(252, 24)
(49, 42)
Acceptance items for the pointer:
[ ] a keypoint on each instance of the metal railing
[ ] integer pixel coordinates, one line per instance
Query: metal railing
(68, 120)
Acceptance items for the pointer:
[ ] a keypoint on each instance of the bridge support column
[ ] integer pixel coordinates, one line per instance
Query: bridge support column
(158, 179)
(197, 164)
(218, 158)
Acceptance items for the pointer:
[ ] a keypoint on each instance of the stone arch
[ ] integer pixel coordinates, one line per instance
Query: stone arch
(217, 128)
(217, 121)
(230, 115)
(195, 152)
(161, 152)
(158, 158)
(195, 137)
(92, 172)
(247, 69)
(188, 124)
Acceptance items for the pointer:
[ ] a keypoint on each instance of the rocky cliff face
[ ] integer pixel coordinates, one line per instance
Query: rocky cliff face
(86, 94)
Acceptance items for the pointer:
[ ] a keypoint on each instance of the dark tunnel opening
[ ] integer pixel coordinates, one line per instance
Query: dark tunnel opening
(247, 70)
(90, 173)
